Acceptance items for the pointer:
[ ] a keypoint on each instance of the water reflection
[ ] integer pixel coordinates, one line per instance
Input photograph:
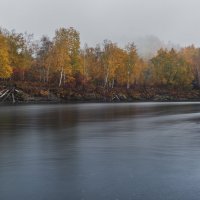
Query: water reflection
(100, 151)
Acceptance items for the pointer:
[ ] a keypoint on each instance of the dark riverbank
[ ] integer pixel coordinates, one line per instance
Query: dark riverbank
(27, 93)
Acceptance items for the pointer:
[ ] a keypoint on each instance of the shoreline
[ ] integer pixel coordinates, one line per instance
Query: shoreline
(47, 102)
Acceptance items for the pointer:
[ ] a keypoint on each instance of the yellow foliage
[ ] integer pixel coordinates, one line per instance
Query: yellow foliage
(5, 68)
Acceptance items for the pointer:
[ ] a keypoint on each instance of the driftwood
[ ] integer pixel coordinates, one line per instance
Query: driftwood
(115, 97)
(3, 93)
(10, 94)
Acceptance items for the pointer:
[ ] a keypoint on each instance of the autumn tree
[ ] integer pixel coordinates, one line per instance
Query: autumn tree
(90, 62)
(60, 52)
(192, 56)
(20, 52)
(140, 72)
(45, 58)
(131, 61)
(113, 59)
(73, 40)
(170, 68)
(5, 68)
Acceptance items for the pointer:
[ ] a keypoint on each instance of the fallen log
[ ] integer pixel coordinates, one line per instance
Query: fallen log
(3, 93)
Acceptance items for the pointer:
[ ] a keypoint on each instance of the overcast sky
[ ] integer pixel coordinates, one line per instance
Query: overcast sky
(121, 21)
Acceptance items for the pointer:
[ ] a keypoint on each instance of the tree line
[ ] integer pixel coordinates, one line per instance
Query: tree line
(62, 62)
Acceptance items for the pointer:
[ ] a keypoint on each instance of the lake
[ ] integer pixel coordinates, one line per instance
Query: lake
(122, 151)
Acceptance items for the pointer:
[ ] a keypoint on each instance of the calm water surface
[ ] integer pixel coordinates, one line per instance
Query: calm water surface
(141, 151)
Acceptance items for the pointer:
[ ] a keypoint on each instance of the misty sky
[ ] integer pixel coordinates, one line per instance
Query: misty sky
(121, 21)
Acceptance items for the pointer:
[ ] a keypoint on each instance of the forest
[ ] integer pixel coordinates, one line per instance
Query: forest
(61, 68)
